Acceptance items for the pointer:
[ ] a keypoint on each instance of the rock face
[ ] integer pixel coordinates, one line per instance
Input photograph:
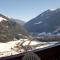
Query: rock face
(48, 22)
(10, 29)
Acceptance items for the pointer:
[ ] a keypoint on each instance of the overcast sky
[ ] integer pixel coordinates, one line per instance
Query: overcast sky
(26, 9)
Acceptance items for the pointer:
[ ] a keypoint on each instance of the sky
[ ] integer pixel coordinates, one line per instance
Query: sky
(26, 9)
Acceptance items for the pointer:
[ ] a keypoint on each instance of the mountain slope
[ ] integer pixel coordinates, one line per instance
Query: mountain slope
(10, 29)
(48, 21)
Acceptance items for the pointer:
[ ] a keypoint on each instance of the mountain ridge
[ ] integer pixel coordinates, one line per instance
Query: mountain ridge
(49, 22)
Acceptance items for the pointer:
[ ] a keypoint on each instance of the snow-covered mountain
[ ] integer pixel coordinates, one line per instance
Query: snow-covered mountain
(10, 29)
(48, 22)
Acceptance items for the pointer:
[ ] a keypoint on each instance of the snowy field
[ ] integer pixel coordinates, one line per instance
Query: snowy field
(18, 46)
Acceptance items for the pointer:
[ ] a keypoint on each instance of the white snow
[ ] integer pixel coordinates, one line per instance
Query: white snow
(43, 33)
(14, 47)
(38, 22)
(52, 9)
(1, 19)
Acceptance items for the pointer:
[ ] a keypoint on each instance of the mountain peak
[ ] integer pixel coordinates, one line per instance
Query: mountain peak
(50, 22)
(49, 10)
